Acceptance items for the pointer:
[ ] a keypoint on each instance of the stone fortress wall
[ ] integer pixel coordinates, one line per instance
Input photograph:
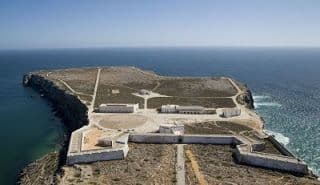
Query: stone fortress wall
(245, 153)
(99, 155)
(244, 150)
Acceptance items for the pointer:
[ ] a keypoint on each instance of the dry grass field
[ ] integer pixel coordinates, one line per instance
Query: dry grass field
(116, 94)
(80, 79)
(145, 164)
(196, 87)
(116, 85)
(205, 102)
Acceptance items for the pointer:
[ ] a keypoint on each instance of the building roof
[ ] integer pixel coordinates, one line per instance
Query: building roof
(169, 105)
(190, 108)
(117, 104)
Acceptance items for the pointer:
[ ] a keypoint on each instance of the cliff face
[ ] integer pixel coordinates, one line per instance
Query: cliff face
(246, 99)
(74, 115)
(68, 107)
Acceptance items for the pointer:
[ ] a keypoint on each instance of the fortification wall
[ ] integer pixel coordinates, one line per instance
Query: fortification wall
(243, 154)
(271, 161)
(182, 139)
(100, 155)
(280, 147)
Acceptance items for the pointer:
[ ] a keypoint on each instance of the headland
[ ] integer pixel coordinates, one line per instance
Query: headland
(131, 126)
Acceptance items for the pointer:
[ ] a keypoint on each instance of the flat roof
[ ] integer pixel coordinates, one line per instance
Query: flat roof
(190, 108)
(117, 104)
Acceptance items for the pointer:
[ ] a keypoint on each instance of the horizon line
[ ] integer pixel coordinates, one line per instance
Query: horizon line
(163, 46)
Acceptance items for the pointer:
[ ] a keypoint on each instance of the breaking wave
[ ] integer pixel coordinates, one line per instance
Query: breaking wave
(267, 104)
(264, 101)
(258, 97)
(279, 137)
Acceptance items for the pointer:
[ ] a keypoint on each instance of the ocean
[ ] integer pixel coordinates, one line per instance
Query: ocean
(285, 83)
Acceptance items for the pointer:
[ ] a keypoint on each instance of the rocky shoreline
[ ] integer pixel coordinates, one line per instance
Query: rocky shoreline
(73, 113)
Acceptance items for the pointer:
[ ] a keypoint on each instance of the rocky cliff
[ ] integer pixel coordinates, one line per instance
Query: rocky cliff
(74, 115)
(67, 106)
(246, 99)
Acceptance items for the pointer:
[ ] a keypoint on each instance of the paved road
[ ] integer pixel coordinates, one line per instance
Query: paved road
(180, 166)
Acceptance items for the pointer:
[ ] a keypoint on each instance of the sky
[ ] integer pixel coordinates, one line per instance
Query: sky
(28, 24)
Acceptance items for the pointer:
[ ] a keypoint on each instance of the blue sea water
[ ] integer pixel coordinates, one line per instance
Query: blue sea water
(285, 83)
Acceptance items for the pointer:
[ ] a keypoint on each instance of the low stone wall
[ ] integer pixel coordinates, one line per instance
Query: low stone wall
(270, 161)
(155, 138)
(99, 155)
(209, 139)
(76, 140)
(244, 152)
(280, 147)
(161, 138)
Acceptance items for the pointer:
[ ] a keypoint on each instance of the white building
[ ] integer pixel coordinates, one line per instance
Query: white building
(105, 142)
(228, 112)
(118, 108)
(177, 129)
(190, 109)
(182, 109)
(169, 108)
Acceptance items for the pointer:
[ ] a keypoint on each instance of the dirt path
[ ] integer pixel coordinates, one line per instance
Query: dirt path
(156, 87)
(234, 98)
(69, 87)
(246, 114)
(196, 168)
(94, 93)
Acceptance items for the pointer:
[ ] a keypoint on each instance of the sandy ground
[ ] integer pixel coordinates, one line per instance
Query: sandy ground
(91, 137)
(126, 121)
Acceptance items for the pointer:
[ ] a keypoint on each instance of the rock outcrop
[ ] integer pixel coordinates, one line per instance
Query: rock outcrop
(246, 99)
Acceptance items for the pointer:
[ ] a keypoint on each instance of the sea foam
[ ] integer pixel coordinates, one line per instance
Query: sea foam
(279, 137)
(266, 104)
(264, 101)
(260, 97)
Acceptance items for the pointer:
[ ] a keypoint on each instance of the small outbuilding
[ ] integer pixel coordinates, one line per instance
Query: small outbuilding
(177, 129)
(229, 112)
(105, 142)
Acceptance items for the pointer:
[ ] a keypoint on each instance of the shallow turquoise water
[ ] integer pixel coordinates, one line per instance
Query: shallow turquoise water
(285, 82)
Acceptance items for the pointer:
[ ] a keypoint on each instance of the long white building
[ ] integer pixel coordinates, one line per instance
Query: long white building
(182, 109)
(118, 108)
